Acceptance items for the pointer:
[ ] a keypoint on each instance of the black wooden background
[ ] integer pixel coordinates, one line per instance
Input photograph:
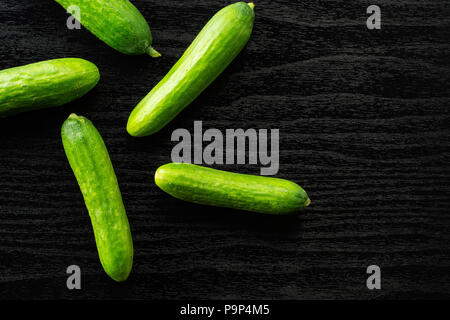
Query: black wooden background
(364, 128)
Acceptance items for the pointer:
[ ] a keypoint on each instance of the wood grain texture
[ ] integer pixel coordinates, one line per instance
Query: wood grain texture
(364, 128)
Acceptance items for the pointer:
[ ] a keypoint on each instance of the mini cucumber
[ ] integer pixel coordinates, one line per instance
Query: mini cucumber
(118, 23)
(90, 162)
(219, 42)
(231, 190)
(45, 84)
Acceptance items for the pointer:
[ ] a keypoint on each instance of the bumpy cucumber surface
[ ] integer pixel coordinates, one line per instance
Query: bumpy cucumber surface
(45, 84)
(94, 172)
(231, 190)
(118, 23)
(210, 53)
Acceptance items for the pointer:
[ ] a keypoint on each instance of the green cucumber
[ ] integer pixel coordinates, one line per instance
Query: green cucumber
(213, 187)
(45, 84)
(117, 23)
(94, 172)
(219, 42)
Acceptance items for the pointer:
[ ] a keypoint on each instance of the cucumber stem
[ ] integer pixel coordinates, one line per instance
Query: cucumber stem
(251, 5)
(308, 202)
(73, 116)
(153, 53)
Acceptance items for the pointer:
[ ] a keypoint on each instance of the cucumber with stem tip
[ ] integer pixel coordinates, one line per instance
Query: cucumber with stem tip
(219, 42)
(90, 162)
(213, 187)
(118, 23)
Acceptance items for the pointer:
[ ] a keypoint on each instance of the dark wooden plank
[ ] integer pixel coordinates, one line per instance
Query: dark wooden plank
(363, 118)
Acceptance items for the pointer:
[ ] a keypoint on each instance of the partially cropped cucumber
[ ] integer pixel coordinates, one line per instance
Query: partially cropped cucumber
(94, 172)
(117, 23)
(45, 84)
(231, 190)
(210, 53)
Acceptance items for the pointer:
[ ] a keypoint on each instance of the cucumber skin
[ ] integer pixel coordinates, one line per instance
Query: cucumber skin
(118, 23)
(45, 84)
(91, 164)
(219, 42)
(213, 187)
